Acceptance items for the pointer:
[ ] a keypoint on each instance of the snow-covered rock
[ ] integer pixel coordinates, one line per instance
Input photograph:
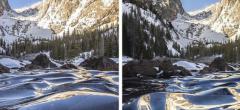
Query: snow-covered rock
(12, 63)
(126, 59)
(51, 59)
(116, 60)
(190, 66)
(77, 61)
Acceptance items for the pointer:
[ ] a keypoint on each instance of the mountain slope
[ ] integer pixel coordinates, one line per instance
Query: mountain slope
(165, 29)
(64, 15)
(4, 5)
(12, 28)
(51, 18)
(63, 27)
(224, 17)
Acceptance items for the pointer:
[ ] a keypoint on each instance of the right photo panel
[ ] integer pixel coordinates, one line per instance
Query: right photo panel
(181, 54)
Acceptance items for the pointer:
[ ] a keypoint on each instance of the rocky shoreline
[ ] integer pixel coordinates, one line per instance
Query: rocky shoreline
(165, 68)
(43, 61)
(147, 76)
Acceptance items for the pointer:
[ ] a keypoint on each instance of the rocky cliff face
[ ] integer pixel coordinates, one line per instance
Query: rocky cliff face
(165, 9)
(49, 18)
(223, 17)
(176, 29)
(148, 28)
(226, 17)
(64, 15)
(168, 9)
(4, 6)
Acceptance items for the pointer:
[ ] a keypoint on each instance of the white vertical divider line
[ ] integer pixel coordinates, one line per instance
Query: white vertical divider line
(120, 55)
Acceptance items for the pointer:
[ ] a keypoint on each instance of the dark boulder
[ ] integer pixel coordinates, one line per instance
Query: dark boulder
(4, 69)
(68, 66)
(230, 68)
(181, 71)
(166, 66)
(205, 70)
(148, 68)
(30, 67)
(40, 62)
(102, 63)
(168, 70)
(219, 64)
(43, 61)
(135, 68)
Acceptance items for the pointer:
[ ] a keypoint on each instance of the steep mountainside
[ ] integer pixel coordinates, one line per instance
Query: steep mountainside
(162, 27)
(168, 9)
(4, 5)
(65, 28)
(224, 17)
(64, 15)
(51, 18)
(13, 28)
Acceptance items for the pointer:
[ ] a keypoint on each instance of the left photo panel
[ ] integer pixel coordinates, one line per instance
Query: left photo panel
(59, 54)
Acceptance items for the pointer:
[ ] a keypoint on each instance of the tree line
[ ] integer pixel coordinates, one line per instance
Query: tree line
(103, 42)
(229, 50)
(143, 40)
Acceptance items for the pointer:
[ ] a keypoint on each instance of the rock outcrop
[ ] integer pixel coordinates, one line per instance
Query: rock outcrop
(153, 69)
(224, 17)
(4, 69)
(165, 9)
(102, 63)
(41, 61)
(68, 66)
(30, 67)
(135, 68)
(65, 15)
(219, 64)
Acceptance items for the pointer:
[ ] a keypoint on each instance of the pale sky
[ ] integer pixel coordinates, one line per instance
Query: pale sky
(21, 3)
(193, 5)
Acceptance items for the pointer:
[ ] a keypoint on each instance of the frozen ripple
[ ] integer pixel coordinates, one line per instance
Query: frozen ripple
(59, 90)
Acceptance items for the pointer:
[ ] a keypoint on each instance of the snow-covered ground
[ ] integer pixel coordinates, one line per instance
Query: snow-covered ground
(190, 65)
(12, 63)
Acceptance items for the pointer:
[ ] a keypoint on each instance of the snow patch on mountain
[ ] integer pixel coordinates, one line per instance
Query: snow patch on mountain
(189, 31)
(128, 8)
(12, 28)
(107, 2)
(49, 18)
(221, 17)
